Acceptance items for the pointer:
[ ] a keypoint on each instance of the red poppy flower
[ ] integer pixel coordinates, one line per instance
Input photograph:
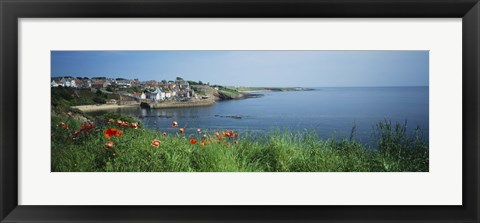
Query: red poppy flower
(174, 124)
(84, 126)
(109, 145)
(112, 132)
(193, 141)
(235, 135)
(181, 130)
(156, 143)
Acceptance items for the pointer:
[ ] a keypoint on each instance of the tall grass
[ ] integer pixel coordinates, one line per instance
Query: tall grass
(278, 151)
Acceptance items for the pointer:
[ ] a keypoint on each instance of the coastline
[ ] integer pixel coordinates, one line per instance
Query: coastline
(99, 107)
(254, 91)
(174, 104)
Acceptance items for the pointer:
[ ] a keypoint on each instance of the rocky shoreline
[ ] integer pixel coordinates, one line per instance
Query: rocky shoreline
(177, 104)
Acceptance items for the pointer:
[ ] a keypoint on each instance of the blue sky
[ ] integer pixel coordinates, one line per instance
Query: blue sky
(252, 68)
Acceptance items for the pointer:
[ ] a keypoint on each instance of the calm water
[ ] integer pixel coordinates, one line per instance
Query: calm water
(331, 111)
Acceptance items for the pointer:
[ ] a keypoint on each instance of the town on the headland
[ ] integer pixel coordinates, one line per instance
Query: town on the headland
(122, 92)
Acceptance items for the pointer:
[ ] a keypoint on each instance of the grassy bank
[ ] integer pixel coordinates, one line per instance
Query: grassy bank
(65, 96)
(253, 89)
(106, 145)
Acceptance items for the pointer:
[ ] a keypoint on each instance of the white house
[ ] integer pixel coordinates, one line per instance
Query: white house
(139, 95)
(65, 82)
(68, 83)
(156, 95)
(72, 83)
(54, 84)
(168, 95)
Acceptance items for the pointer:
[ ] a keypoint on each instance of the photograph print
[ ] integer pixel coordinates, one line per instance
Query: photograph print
(239, 111)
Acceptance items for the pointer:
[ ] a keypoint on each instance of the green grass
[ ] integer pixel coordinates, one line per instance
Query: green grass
(228, 91)
(279, 151)
(66, 96)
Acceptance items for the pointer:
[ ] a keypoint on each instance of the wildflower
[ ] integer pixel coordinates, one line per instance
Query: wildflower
(111, 121)
(203, 143)
(181, 130)
(69, 114)
(228, 145)
(87, 126)
(174, 124)
(235, 135)
(164, 134)
(126, 124)
(63, 125)
(119, 122)
(156, 143)
(135, 125)
(109, 145)
(199, 131)
(193, 141)
(118, 133)
(204, 136)
(112, 132)
(217, 134)
(235, 142)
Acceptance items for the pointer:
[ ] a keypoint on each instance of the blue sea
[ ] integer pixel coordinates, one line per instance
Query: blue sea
(331, 112)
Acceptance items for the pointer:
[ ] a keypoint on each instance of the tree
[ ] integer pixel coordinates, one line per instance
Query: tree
(99, 93)
(179, 79)
(164, 81)
(200, 82)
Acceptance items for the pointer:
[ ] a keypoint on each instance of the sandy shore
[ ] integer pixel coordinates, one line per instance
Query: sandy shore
(87, 108)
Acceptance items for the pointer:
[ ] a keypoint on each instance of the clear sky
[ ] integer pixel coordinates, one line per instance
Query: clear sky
(252, 68)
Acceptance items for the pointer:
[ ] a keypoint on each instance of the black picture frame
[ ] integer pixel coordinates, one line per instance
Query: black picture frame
(12, 10)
